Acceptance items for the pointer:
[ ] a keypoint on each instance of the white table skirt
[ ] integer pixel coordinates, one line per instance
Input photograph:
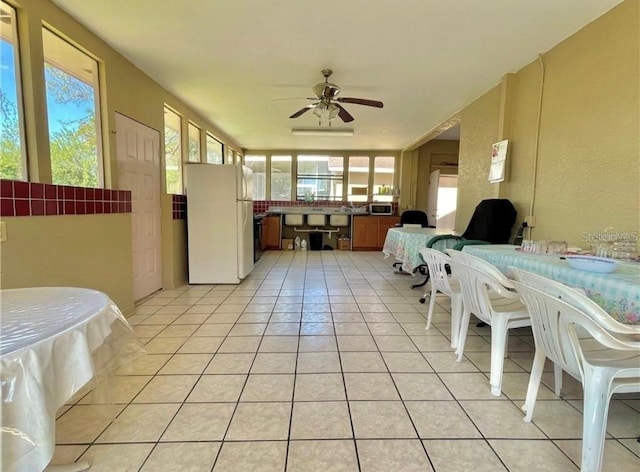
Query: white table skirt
(49, 340)
(403, 243)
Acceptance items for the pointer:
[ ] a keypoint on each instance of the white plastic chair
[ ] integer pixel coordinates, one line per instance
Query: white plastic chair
(582, 302)
(509, 313)
(442, 282)
(559, 330)
(498, 301)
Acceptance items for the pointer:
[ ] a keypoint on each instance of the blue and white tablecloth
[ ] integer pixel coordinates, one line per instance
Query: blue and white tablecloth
(403, 243)
(618, 292)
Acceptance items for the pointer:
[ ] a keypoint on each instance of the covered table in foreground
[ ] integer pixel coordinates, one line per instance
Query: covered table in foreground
(53, 341)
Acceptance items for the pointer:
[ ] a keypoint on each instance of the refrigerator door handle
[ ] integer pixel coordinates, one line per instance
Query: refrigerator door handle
(245, 187)
(244, 223)
(245, 184)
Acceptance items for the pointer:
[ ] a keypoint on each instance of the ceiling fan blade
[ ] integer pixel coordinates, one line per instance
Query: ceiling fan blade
(303, 110)
(343, 114)
(361, 101)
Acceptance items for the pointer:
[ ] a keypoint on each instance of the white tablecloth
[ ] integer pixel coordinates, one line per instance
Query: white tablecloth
(53, 340)
(403, 243)
(618, 293)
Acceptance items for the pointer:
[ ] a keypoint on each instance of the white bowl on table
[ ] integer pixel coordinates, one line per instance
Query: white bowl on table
(600, 265)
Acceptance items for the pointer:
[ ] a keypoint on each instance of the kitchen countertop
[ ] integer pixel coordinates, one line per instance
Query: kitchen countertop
(317, 211)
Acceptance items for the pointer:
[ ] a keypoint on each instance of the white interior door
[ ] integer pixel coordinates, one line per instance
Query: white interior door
(447, 202)
(432, 197)
(138, 150)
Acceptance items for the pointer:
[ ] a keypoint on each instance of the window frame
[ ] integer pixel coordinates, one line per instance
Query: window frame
(168, 109)
(328, 177)
(348, 185)
(96, 85)
(192, 126)
(270, 179)
(208, 138)
(258, 157)
(17, 69)
(378, 197)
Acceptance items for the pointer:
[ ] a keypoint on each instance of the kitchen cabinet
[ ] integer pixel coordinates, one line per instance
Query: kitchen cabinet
(369, 232)
(384, 223)
(365, 233)
(271, 232)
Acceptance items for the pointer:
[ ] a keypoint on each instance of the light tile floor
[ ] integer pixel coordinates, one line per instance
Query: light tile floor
(319, 361)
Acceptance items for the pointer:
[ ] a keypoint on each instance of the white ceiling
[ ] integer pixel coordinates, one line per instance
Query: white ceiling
(247, 65)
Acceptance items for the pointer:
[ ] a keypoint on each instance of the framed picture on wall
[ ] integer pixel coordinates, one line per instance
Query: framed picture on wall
(498, 160)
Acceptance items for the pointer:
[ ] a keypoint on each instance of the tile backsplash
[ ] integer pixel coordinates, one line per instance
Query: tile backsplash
(179, 207)
(19, 198)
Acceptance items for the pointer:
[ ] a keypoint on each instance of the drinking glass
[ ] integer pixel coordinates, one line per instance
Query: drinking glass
(601, 249)
(544, 247)
(624, 250)
(557, 247)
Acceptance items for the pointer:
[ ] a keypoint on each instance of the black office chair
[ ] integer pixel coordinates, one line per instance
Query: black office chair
(491, 223)
(414, 217)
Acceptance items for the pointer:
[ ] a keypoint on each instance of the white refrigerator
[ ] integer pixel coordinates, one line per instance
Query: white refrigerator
(219, 223)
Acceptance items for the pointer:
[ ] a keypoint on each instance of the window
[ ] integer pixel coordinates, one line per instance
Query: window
(358, 179)
(319, 177)
(12, 148)
(194, 143)
(214, 150)
(383, 170)
(173, 151)
(280, 177)
(71, 79)
(258, 164)
(229, 156)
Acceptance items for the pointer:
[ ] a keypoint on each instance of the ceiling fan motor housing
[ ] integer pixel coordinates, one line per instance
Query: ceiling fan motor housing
(326, 90)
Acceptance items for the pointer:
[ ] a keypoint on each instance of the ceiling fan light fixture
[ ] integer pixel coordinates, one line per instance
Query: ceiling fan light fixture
(322, 131)
(320, 109)
(332, 111)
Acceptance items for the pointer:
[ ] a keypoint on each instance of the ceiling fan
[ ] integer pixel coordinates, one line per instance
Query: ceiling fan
(327, 95)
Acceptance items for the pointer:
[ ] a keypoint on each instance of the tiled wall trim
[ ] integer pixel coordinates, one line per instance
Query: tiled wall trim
(179, 207)
(261, 206)
(34, 199)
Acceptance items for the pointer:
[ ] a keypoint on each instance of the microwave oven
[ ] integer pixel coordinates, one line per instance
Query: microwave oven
(380, 209)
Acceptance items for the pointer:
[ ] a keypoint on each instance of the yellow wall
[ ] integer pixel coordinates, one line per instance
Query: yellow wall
(92, 251)
(588, 174)
(479, 129)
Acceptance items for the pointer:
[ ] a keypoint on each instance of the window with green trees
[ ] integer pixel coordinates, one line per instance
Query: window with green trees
(173, 150)
(194, 143)
(72, 90)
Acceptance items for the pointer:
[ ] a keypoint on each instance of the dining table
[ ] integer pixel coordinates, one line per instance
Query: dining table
(403, 244)
(618, 292)
(53, 342)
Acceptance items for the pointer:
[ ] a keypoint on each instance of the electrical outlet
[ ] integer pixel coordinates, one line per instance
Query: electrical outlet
(3, 231)
(530, 220)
